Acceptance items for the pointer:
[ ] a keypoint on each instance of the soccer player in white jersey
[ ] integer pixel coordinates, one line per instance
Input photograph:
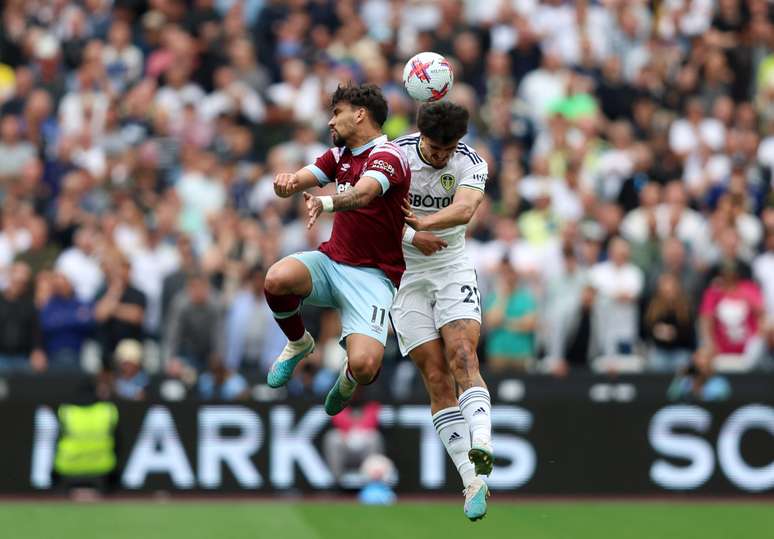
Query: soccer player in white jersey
(437, 311)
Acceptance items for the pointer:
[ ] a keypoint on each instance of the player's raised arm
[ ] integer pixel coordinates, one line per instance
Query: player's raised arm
(320, 173)
(360, 195)
(459, 212)
(386, 166)
(288, 184)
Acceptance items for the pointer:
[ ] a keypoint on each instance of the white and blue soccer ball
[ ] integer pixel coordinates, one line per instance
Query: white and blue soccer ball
(428, 77)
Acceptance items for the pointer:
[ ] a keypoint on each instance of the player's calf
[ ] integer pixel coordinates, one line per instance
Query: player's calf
(461, 338)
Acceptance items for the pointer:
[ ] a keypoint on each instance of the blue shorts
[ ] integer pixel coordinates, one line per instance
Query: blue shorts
(363, 295)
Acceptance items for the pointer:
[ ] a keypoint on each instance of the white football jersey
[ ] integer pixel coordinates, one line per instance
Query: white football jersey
(433, 189)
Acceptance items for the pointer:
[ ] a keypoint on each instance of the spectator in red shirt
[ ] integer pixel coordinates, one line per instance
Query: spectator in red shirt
(731, 313)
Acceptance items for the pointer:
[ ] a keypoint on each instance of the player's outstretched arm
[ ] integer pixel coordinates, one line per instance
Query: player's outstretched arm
(459, 212)
(364, 191)
(360, 195)
(288, 184)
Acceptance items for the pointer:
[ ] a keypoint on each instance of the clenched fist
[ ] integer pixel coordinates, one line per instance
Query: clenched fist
(285, 184)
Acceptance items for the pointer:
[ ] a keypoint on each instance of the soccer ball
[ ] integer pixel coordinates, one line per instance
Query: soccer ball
(428, 76)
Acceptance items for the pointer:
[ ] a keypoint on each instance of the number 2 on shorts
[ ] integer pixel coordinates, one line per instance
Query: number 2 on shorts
(470, 291)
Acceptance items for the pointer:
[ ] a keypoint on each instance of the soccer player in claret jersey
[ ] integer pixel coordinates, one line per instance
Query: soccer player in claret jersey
(358, 270)
(437, 312)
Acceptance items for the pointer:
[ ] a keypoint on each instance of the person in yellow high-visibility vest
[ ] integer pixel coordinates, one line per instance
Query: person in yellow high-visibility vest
(86, 447)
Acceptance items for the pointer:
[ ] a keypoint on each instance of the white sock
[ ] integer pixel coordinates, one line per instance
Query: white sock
(477, 411)
(453, 431)
(347, 383)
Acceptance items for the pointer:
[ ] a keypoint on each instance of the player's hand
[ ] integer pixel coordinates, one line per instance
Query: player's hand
(411, 218)
(428, 243)
(285, 184)
(314, 208)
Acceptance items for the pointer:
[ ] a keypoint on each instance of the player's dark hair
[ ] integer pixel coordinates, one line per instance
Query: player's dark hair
(443, 121)
(368, 96)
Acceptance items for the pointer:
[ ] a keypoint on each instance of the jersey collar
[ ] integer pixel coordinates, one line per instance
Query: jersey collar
(369, 144)
(422, 157)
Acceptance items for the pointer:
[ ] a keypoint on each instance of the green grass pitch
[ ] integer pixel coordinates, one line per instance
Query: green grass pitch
(406, 520)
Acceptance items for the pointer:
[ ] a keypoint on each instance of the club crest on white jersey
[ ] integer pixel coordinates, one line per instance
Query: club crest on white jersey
(433, 189)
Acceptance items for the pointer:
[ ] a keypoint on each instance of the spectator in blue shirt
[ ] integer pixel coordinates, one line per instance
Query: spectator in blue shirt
(65, 324)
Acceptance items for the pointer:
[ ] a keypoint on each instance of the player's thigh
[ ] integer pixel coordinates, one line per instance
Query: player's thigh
(412, 315)
(289, 276)
(320, 272)
(364, 296)
(457, 309)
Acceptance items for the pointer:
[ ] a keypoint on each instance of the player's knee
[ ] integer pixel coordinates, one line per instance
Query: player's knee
(365, 367)
(463, 355)
(275, 281)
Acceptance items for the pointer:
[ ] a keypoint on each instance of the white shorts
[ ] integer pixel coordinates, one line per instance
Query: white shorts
(428, 300)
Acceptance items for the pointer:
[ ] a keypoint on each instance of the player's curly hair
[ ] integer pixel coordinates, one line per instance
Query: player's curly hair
(368, 96)
(443, 121)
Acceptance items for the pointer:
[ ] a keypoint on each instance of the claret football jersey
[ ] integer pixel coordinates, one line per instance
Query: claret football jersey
(370, 236)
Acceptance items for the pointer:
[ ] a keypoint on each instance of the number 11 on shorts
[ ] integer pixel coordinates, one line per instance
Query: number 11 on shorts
(377, 311)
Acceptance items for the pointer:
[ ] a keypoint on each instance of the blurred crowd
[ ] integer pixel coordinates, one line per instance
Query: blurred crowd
(628, 221)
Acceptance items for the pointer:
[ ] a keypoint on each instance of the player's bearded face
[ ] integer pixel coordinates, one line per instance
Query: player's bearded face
(342, 124)
(435, 153)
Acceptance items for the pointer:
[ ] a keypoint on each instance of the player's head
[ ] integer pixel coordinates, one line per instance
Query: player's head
(441, 126)
(354, 108)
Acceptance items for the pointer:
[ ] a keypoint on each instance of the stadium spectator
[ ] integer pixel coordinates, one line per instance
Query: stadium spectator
(732, 314)
(564, 309)
(177, 116)
(510, 317)
(119, 308)
(131, 380)
(20, 338)
(15, 152)
(65, 323)
(154, 260)
(618, 284)
(355, 436)
(193, 332)
(41, 254)
(675, 260)
(80, 264)
(669, 326)
(252, 340)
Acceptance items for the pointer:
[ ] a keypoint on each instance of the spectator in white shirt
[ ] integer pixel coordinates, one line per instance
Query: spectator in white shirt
(639, 225)
(675, 218)
(81, 266)
(122, 59)
(298, 93)
(178, 91)
(85, 107)
(618, 284)
(232, 96)
(694, 132)
(543, 87)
